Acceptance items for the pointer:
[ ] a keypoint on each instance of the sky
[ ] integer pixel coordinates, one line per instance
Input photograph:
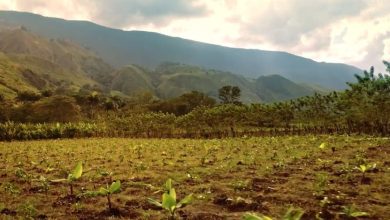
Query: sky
(355, 32)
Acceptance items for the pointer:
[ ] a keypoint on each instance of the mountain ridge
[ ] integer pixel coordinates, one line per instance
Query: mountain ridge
(150, 49)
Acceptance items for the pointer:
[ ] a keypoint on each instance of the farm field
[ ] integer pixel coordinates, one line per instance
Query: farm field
(228, 177)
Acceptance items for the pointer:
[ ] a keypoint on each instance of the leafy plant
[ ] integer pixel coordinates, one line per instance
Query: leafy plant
(363, 168)
(11, 188)
(293, 214)
(169, 202)
(28, 210)
(322, 146)
(252, 216)
(43, 184)
(321, 183)
(73, 176)
(115, 187)
(107, 191)
(351, 212)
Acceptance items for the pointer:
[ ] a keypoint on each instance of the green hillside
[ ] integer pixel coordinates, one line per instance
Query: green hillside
(149, 49)
(170, 80)
(31, 62)
(132, 80)
(11, 78)
(275, 87)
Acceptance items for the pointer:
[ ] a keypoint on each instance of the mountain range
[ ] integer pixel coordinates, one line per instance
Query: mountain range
(37, 51)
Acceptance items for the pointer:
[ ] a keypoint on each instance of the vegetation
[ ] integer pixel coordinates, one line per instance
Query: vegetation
(115, 187)
(229, 94)
(92, 113)
(226, 177)
(169, 202)
(73, 176)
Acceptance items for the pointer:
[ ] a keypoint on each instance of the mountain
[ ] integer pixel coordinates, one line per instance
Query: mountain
(32, 62)
(149, 49)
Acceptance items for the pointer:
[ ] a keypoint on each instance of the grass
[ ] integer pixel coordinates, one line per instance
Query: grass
(227, 177)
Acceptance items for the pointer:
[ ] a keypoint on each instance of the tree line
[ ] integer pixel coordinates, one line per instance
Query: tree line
(363, 108)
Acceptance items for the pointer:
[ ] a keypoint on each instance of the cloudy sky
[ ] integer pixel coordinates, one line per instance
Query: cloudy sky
(356, 32)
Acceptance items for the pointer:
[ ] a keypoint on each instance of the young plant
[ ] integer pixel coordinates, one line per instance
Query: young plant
(169, 202)
(351, 212)
(73, 176)
(321, 183)
(293, 214)
(107, 191)
(364, 168)
(252, 216)
(115, 187)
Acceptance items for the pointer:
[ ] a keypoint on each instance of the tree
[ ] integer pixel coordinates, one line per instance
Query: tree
(5, 108)
(55, 109)
(28, 96)
(229, 94)
(183, 104)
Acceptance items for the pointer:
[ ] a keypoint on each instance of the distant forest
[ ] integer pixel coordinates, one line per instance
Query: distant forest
(363, 108)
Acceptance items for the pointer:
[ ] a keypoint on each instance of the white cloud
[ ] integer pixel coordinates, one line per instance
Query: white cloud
(349, 31)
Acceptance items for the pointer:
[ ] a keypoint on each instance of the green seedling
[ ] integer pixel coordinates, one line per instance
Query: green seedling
(293, 214)
(42, 183)
(252, 216)
(351, 212)
(107, 191)
(115, 187)
(321, 183)
(73, 176)
(169, 202)
(364, 168)
(27, 210)
(10, 188)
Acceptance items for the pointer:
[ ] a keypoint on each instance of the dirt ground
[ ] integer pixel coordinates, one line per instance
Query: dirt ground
(228, 177)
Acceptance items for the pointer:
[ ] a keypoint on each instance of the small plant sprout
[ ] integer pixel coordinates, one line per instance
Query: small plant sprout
(293, 214)
(322, 146)
(321, 182)
(364, 168)
(252, 216)
(351, 212)
(169, 200)
(107, 191)
(73, 176)
(115, 187)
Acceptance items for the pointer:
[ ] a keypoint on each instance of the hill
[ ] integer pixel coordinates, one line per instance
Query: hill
(170, 80)
(149, 49)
